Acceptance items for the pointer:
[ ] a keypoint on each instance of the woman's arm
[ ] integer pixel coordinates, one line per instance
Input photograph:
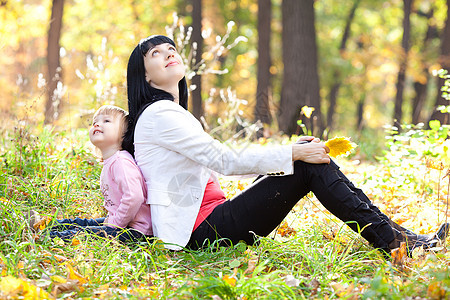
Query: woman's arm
(168, 125)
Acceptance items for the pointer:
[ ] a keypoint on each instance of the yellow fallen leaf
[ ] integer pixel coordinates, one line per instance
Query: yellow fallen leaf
(340, 146)
(436, 290)
(14, 288)
(75, 275)
(229, 279)
(343, 290)
(69, 285)
(75, 242)
(399, 254)
(58, 279)
(285, 230)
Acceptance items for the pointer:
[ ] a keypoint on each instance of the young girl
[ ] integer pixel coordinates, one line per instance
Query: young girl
(177, 159)
(121, 182)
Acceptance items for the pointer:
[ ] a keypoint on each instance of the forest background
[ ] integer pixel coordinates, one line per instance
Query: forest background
(359, 64)
(362, 69)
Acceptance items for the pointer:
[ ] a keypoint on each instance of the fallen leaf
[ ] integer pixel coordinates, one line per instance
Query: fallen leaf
(251, 265)
(291, 281)
(229, 279)
(235, 263)
(399, 254)
(75, 275)
(344, 290)
(314, 286)
(68, 286)
(14, 288)
(436, 290)
(285, 230)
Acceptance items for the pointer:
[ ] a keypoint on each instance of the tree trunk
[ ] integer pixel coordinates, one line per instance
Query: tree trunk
(407, 4)
(53, 63)
(338, 80)
(420, 87)
(197, 103)
(300, 84)
(262, 109)
(444, 60)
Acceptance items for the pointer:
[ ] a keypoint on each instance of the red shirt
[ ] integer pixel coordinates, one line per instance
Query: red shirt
(213, 197)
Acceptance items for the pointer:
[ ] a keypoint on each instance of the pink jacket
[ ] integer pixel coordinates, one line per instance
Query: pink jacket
(125, 193)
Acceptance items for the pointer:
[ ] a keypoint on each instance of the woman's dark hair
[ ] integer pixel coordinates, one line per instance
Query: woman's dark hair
(140, 93)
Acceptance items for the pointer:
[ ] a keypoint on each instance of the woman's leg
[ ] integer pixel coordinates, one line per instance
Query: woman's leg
(261, 207)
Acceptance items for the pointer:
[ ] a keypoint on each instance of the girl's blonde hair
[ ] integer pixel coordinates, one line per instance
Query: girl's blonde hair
(115, 112)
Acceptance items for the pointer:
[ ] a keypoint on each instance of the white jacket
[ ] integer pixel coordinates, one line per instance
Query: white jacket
(176, 157)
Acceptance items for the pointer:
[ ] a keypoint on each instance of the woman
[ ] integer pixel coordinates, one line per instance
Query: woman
(177, 159)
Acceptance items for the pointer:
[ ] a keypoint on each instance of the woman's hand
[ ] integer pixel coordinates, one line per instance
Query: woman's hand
(305, 138)
(314, 152)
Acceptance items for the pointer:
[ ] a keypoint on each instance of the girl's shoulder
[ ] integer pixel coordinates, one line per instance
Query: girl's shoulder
(123, 157)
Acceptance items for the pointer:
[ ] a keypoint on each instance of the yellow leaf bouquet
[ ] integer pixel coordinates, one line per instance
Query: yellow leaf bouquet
(340, 146)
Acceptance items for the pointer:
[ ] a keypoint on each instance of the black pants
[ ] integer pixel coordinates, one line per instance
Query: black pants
(260, 208)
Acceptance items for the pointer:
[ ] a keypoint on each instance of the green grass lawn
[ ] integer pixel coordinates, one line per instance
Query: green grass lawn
(311, 256)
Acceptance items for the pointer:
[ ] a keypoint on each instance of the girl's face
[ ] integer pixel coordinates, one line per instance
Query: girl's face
(105, 131)
(163, 66)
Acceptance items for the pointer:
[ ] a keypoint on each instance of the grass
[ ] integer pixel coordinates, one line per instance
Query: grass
(312, 255)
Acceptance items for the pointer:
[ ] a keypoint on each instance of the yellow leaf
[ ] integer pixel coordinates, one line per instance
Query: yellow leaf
(436, 290)
(343, 290)
(285, 230)
(340, 146)
(75, 275)
(399, 255)
(229, 279)
(58, 279)
(75, 242)
(14, 288)
(307, 111)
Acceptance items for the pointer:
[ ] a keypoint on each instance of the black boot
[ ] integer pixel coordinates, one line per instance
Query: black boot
(442, 232)
(414, 241)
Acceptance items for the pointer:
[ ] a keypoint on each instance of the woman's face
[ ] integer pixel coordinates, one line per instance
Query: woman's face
(163, 66)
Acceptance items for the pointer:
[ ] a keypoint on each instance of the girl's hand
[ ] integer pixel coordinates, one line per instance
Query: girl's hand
(314, 152)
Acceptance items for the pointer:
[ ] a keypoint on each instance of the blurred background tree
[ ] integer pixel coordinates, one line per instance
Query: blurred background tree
(360, 64)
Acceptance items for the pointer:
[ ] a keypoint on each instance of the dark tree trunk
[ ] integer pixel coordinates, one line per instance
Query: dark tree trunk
(398, 113)
(197, 103)
(420, 87)
(262, 109)
(53, 62)
(300, 78)
(444, 60)
(338, 80)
